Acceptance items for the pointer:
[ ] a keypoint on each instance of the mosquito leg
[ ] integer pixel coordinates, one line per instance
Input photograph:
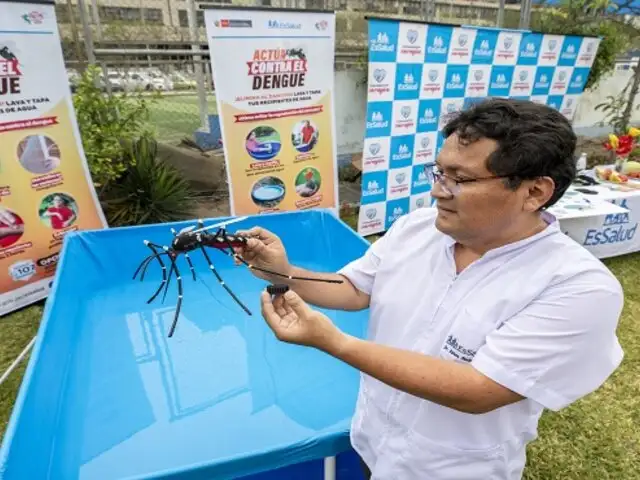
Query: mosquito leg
(186, 255)
(164, 270)
(145, 263)
(142, 264)
(166, 280)
(155, 255)
(226, 287)
(174, 266)
(193, 271)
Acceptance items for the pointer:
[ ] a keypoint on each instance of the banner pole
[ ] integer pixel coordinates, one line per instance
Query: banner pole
(197, 59)
(330, 468)
(88, 37)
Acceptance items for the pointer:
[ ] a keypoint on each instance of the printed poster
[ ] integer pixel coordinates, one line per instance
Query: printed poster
(45, 187)
(274, 74)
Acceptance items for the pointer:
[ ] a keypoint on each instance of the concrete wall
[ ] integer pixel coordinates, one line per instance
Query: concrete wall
(587, 118)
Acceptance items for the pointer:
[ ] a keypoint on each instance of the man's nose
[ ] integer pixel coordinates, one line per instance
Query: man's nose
(440, 191)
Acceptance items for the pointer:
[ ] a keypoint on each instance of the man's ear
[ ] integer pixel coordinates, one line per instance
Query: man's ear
(538, 193)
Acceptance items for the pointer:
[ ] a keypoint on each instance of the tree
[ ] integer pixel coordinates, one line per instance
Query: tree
(613, 21)
(619, 108)
(588, 18)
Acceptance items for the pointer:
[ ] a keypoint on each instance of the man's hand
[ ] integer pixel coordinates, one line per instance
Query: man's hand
(264, 250)
(293, 321)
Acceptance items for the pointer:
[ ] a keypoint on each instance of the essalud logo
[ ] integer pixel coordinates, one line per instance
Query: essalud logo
(437, 46)
(396, 214)
(381, 43)
(577, 82)
(423, 179)
(455, 82)
(284, 25)
(428, 117)
(484, 49)
(403, 153)
(543, 81)
(529, 50)
(500, 81)
(373, 189)
(377, 121)
(408, 83)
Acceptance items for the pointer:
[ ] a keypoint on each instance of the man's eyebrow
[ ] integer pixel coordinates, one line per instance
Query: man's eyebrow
(456, 167)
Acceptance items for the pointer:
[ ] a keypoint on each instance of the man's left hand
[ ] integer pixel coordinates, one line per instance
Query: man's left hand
(293, 321)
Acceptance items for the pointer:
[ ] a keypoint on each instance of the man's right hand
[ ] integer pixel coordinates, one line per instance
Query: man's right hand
(264, 250)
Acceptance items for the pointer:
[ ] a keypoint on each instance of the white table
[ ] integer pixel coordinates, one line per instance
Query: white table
(605, 223)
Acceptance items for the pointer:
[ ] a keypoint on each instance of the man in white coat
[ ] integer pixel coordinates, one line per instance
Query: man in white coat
(482, 312)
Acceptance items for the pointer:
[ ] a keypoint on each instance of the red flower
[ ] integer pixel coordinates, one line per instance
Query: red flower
(624, 145)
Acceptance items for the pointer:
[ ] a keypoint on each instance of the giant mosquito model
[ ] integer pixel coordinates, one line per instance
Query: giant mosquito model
(189, 239)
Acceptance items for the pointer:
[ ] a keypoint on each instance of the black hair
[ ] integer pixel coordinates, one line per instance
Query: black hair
(534, 140)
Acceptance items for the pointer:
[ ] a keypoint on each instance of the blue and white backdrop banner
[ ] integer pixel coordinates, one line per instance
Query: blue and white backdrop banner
(420, 73)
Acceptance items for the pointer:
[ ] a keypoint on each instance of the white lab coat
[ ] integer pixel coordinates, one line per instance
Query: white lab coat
(538, 316)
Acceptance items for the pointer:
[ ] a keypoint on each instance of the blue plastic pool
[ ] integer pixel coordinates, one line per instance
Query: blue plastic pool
(107, 394)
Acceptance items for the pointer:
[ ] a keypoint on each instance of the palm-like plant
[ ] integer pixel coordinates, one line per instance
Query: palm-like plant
(151, 191)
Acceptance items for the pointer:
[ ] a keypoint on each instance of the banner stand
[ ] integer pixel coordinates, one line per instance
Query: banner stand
(46, 189)
(274, 75)
(422, 73)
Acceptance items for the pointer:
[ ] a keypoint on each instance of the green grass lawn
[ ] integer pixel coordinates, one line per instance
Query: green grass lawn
(598, 438)
(178, 116)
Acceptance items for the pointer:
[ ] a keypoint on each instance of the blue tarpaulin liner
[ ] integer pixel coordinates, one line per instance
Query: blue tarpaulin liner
(107, 394)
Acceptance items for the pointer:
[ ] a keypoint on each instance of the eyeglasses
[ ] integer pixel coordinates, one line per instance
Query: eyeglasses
(452, 185)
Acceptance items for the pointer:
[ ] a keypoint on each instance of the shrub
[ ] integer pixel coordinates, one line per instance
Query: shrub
(150, 190)
(105, 122)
